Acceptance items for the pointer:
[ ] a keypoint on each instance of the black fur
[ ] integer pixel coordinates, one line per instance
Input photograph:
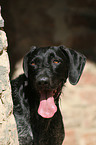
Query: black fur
(45, 70)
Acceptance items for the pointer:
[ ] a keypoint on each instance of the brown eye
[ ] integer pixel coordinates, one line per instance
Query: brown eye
(56, 61)
(32, 63)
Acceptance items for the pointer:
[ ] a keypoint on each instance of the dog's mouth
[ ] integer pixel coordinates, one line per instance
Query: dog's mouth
(47, 107)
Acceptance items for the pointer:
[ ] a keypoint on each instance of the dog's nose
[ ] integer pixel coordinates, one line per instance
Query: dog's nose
(43, 82)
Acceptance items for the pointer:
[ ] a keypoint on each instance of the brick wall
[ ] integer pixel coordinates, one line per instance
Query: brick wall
(78, 105)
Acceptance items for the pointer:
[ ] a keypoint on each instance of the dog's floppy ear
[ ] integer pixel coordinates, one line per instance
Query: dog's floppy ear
(25, 60)
(76, 64)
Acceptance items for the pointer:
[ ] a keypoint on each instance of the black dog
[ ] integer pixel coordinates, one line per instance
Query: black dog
(36, 93)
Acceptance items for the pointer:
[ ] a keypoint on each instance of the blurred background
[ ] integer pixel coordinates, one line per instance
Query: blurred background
(59, 22)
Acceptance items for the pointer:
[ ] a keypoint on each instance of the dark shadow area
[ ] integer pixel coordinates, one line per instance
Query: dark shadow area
(44, 23)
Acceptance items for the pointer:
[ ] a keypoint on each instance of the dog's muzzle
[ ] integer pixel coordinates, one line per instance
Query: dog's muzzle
(47, 107)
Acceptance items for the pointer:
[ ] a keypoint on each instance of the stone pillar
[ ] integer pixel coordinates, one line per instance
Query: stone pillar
(8, 131)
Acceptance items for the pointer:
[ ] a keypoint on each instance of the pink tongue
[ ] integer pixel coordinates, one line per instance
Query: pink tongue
(47, 107)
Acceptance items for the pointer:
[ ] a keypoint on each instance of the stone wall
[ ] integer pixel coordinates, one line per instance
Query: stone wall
(8, 131)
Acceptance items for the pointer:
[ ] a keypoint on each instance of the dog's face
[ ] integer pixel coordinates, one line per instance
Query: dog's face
(47, 69)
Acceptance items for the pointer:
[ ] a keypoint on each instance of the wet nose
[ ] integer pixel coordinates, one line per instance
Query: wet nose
(43, 82)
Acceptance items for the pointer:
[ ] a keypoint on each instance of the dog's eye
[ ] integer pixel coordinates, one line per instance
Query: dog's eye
(33, 63)
(56, 61)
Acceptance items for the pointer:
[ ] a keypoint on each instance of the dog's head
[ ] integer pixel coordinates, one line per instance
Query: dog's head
(48, 68)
